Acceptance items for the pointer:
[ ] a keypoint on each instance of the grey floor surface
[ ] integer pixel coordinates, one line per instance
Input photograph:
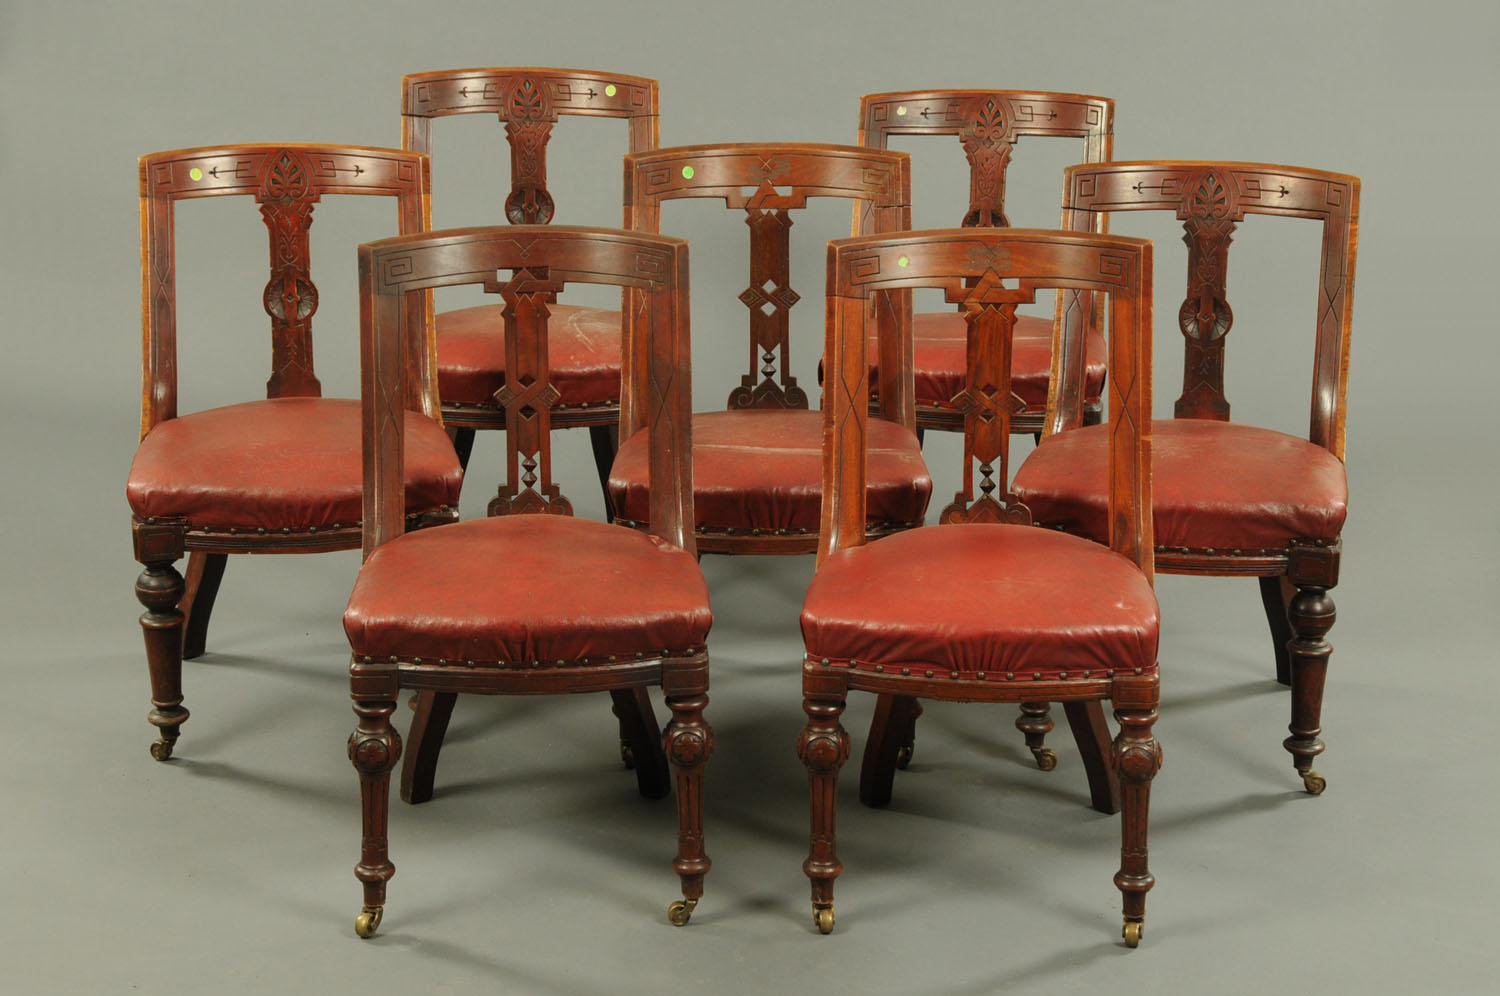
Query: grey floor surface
(537, 868)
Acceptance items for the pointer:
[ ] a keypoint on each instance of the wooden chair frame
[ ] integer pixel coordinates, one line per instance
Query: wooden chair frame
(989, 272)
(393, 274)
(287, 180)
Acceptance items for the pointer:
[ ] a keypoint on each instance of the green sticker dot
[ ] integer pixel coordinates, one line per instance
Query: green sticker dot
(195, 173)
(901, 111)
(609, 91)
(687, 172)
(902, 261)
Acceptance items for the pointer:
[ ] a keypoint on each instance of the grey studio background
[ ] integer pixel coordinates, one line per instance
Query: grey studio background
(537, 868)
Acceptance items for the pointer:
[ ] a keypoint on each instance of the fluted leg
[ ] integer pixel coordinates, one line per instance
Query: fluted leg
(429, 725)
(605, 440)
(823, 747)
(891, 730)
(1137, 758)
(204, 572)
(641, 741)
(688, 741)
(1276, 594)
(1035, 722)
(1312, 615)
(159, 589)
(374, 747)
(1091, 733)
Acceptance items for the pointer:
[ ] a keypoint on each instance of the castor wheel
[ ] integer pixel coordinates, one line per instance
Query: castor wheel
(1133, 931)
(161, 749)
(903, 757)
(823, 918)
(627, 755)
(681, 911)
(1314, 782)
(1046, 757)
(368, 921)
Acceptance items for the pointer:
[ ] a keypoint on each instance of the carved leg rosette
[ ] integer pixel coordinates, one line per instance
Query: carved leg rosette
(159, 589)
(823, 747)
(1137, 758)
(1035, 722)
(688, 741)
(374, 747)
(1312, 615)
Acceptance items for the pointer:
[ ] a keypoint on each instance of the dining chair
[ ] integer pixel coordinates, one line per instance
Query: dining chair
(277, 475)
(535, 601)
(988, 125)
(985, 607)
(585, 351)
(1231, 499)
(756, 465)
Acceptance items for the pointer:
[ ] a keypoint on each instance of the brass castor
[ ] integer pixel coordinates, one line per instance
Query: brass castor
(903, 757)
(1046, 757)
(368, 921)
(627, 755)
(681, 911)
(823, 918)
(161, 749)
(1314, 782)
(1133, 931)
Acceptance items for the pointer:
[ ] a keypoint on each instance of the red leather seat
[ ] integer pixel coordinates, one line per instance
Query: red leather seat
(995, 602)
(940, 353)
(276, 464)
(583, 354)
(1215, 486)
(764, 470)
(528, 590)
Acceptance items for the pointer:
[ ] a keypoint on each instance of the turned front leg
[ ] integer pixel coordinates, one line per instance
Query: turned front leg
(1137, 758)
(823, 747)
(159, 589)
(688, 741)
(1312, 615)
(374, 747)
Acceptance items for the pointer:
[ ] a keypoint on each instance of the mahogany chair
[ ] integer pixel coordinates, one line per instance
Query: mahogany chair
(988, 123)
(280, 475)
(606, 608)
(585, 341)
(756, 466)
(1231, 500)
(984, 607)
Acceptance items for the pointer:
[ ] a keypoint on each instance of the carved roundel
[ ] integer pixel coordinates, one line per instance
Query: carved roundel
(1141, 761)
(371, 753)
(304, 298)
(1205, 325)
(688, 749)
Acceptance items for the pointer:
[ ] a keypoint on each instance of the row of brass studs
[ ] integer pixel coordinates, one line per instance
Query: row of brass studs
(532, 665)
(288, 530)
(958, 675)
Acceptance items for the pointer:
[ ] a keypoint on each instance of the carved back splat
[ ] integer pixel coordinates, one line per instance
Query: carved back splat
(768, 181)
(527, 397)
(1211, 198)
(286, 180)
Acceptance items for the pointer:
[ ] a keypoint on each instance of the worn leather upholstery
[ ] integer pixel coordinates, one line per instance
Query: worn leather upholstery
(583, 354)
(1215, 485)
(527, 588)
(282, 463)
(764, 470)
(1012, 602)
(940, 354)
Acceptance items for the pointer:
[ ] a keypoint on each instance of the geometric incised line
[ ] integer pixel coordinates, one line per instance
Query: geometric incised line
(989, 258)
(530, 395)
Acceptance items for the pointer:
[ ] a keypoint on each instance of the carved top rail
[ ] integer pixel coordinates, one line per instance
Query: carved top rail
(529, 101)
(287, 180)
(988, 272)
(768, 181)
(988, 123)
(528, 265)
(1211, 199)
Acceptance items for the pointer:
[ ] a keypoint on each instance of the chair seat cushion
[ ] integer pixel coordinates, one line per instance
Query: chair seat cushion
(764, 470)
(282, 463)
(583, 354)
(1215, 486)
(525, 588)
(940, 355)
(1010, 601)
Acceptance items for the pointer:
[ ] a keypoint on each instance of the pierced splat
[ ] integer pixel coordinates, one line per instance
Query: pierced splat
(988, 404)
(286, 197)
(987, 143)
(1209, 215)
(529, 117)
(527, 397)
(769, 298)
